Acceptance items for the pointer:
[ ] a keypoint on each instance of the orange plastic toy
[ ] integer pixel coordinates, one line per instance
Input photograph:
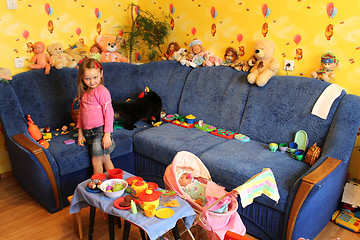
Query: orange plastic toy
(35, 133)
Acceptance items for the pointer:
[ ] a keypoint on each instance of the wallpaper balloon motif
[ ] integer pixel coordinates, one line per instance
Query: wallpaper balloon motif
(266, 12)
(331, 11)
(48, 9)
(97, 13)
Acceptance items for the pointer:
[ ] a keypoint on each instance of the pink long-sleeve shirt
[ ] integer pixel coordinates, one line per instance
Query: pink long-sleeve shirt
(96, 110)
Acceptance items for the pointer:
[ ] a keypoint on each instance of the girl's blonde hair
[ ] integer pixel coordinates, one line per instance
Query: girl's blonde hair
(86, 63)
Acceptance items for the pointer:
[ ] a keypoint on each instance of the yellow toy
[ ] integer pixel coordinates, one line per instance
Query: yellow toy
(109, 46)
(59, 57)
(328, 64)
(266, 64)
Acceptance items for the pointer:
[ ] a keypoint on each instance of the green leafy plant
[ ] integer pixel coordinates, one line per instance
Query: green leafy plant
(146, 33)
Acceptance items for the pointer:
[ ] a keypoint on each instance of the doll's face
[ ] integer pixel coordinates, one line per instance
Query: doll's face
(172, 48)
(39, 47)
(185, 179)
(196, 49)
(230, 53)
(95, 50)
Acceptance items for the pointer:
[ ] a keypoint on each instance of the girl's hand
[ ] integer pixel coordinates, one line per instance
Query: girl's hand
(106, 141)
(81, 138)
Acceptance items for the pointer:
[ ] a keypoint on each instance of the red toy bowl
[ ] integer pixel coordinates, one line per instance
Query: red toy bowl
(115, 173)
(100, 176)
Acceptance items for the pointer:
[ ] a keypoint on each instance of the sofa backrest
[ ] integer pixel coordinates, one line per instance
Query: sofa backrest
(216, 95)
(166, 78)
(275, 112)
(47, 98)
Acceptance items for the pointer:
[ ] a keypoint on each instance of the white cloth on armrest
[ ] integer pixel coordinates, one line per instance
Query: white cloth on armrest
(323, 104)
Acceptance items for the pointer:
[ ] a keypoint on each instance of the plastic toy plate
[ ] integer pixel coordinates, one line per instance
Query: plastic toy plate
(96, 190)
(164, 213)
(182, 124)
(119, 200)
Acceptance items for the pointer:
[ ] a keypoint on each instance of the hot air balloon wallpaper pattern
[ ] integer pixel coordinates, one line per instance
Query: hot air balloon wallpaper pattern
(331, 11)
(266, 13)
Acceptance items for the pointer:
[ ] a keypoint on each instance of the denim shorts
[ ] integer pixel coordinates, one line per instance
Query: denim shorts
(94, 138)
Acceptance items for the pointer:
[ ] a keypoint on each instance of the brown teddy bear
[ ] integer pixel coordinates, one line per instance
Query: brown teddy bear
(266, 64)
(109, 46)
(60, 59)
(328, 64)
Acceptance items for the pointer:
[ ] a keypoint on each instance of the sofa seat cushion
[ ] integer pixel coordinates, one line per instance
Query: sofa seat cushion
(71, 158)
(162, 143)
(232, 163)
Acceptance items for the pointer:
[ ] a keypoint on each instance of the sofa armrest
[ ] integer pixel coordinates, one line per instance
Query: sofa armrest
(35, 149)
(308, 182)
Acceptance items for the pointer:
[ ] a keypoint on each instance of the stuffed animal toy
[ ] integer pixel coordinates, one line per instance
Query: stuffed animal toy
(5, 75)
(109, 46)
(59, 57)
(266, 64)
(95, 52)
(182, 57)
(244, 65)
(78, 51)
(41, 59)
(211, 59)
(197, 52)
(328, 64)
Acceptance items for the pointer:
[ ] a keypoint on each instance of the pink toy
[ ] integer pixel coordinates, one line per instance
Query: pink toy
(217, 223)
(41, 59)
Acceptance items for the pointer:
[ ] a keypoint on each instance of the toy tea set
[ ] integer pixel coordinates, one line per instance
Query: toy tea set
(189, 121)
(140, 192)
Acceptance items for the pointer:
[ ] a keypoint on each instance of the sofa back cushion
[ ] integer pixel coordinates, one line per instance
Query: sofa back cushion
(275, 112)
(166, 78)
(47, 98)
(216, 95)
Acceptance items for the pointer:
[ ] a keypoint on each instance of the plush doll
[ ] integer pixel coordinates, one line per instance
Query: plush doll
(266, 64)
(5, 75)
(230, 56)
(328, 64)
(41, 59)
(211, 59)
(173, 47)
(182, 57)
(109, 46)
(59, 57)
(197, 52)
(95, 52)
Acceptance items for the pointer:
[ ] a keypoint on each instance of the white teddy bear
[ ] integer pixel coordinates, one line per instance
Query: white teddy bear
(182, 56)
(59, 57)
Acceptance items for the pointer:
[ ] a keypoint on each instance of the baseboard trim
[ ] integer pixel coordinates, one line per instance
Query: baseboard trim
(6, 174)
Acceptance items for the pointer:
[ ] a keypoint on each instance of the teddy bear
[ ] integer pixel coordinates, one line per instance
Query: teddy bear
(109, 46)
(328, 64)
(78, 51)
(41, 59)
(266, 64)
(59, 57)
(244, 65)
(182, 56)
(211, 59)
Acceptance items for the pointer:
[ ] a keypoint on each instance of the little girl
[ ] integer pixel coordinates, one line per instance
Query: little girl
(96, 115)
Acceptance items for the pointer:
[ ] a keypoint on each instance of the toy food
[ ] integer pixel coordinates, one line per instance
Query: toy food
(328, 64)
(41, 59)
(109, 46)
(59, 57)
(266, 64)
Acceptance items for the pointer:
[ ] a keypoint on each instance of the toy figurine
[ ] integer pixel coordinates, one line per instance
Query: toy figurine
(197, 52)
(328, 64)
(173, 47)
(230, 56)
(41, 59)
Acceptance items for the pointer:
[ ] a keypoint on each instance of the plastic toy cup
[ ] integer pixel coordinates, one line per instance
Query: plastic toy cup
(292, 147)
(181, 118)
(283, 147)
(273, 147)
(149, 210)
(299, 154)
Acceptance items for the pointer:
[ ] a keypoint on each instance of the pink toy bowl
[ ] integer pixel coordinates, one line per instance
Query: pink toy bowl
(115, 173)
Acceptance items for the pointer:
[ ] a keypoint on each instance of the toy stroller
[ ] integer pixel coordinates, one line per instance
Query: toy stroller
(216, 224)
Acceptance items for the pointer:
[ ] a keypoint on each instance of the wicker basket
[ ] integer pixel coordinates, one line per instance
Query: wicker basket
(74, 112)
(313, 154)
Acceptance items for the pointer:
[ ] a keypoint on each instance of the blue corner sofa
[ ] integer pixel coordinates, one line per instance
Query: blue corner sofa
(221, 97)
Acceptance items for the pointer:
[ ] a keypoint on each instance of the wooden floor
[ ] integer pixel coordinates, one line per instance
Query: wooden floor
(23, 218)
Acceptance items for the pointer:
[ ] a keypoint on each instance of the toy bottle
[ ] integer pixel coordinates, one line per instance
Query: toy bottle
(133, 207)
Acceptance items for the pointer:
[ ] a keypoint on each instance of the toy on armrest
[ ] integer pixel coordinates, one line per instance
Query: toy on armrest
(35, 133)
(41, 59)
(328, 64)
